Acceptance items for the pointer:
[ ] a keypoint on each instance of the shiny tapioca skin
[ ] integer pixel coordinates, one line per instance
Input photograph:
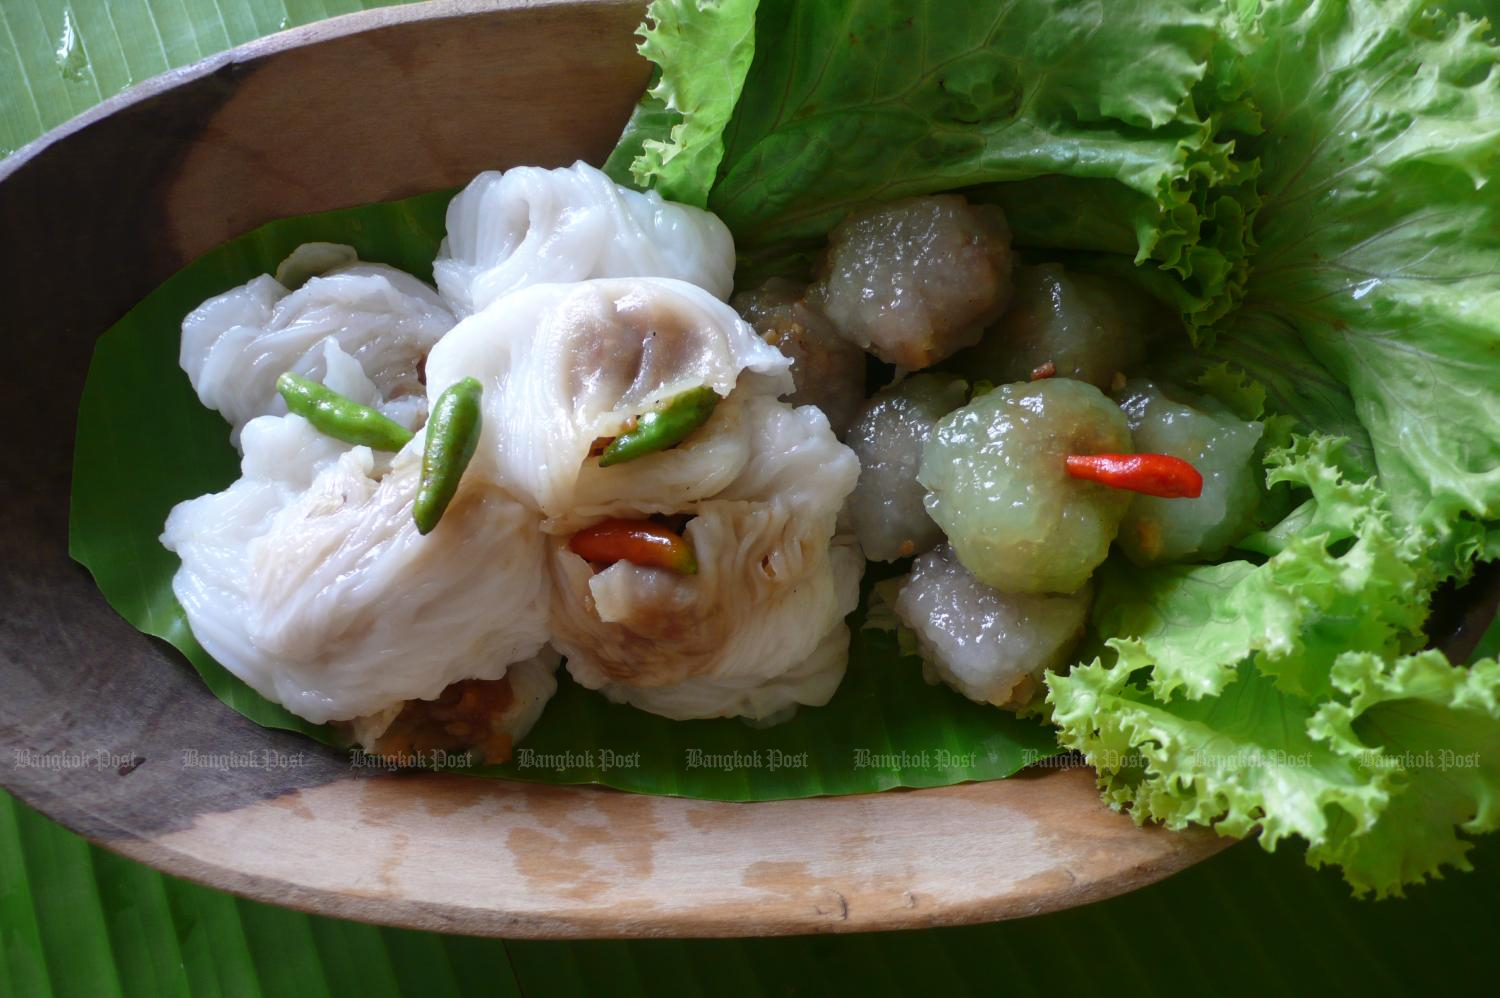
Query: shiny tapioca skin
(998, 486)
(1080, 326)
(828, 371)
(990, 646)
(914, 280)
(886, 507)
(1220, 445)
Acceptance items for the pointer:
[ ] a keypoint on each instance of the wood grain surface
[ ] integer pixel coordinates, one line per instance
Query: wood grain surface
(491, 857)
(362, 108)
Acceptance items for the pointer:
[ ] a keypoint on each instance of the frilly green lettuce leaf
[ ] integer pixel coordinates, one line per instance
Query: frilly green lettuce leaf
(864, 101)
(1278, 698)
(703, 49)
(1379, 235)
(1243, 761)
(1378, 780)
(649, 122)
(1435, 729)
(1372, 311)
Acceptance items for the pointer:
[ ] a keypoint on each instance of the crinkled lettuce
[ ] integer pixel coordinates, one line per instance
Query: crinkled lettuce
(865, 100)
(1288, 696)
(1313, 184)
(1370, 312)
(675, 139)
(1379, 235)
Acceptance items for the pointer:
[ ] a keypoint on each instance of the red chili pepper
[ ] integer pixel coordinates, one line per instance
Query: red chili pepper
(1149, 474)
(639, 542)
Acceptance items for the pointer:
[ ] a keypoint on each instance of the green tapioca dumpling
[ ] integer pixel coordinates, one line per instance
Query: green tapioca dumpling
(1165, 420)
(1073, 325)
(997, 484)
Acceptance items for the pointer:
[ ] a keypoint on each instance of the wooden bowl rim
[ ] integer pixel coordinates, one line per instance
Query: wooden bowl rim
(287, 40)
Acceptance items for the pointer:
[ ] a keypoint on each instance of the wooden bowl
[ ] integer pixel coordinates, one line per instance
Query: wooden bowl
(365, 108)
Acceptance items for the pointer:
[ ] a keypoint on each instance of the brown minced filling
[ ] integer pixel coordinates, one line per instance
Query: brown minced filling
(468, 716)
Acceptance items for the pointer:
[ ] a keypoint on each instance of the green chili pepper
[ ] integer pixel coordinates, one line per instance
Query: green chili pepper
(340, 417)
(664, 426)
(452, 435)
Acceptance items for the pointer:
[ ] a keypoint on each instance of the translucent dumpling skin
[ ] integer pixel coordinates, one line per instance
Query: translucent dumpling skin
(481, 718)
(1216, 442)
(235, 345)
(887, 507)
(913, 281)
(529, 225)
(827, 370)
(998, 486)
(567, 365)
(1078, 326)
(755, 490)
(990, 646)
(308, 580)
(760, 627)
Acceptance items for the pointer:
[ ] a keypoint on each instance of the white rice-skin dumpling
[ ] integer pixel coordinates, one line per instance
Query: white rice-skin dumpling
(530, 225)
(760, 626)
(566, 365)
(308, 580)
(529, 685)
(235, 345)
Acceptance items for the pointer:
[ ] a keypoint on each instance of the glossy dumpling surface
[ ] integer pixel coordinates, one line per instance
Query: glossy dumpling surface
(235, 345)
(530, 225)
(307, 579)
(760, 627)
(565, 366)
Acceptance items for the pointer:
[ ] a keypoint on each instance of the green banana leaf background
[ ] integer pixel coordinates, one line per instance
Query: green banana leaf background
(75, 919)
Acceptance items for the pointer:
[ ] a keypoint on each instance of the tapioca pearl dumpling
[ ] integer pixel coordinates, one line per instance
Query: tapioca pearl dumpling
(887, 506)
(1221, 446)
(827, 370)
(998, 486)
(990, 646)
(1071, 325)
(915, 280)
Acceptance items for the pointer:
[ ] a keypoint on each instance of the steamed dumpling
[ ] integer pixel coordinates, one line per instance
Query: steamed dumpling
(564, 366)
(483, 718)
(914, 280)
(888, 509)
(990, 646)
(529, 225)
(760, 627)
(828, 370)
(235, 345)
(307, 579)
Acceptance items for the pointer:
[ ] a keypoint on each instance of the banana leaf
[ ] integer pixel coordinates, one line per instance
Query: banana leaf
(145, 443)
(58, 58)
